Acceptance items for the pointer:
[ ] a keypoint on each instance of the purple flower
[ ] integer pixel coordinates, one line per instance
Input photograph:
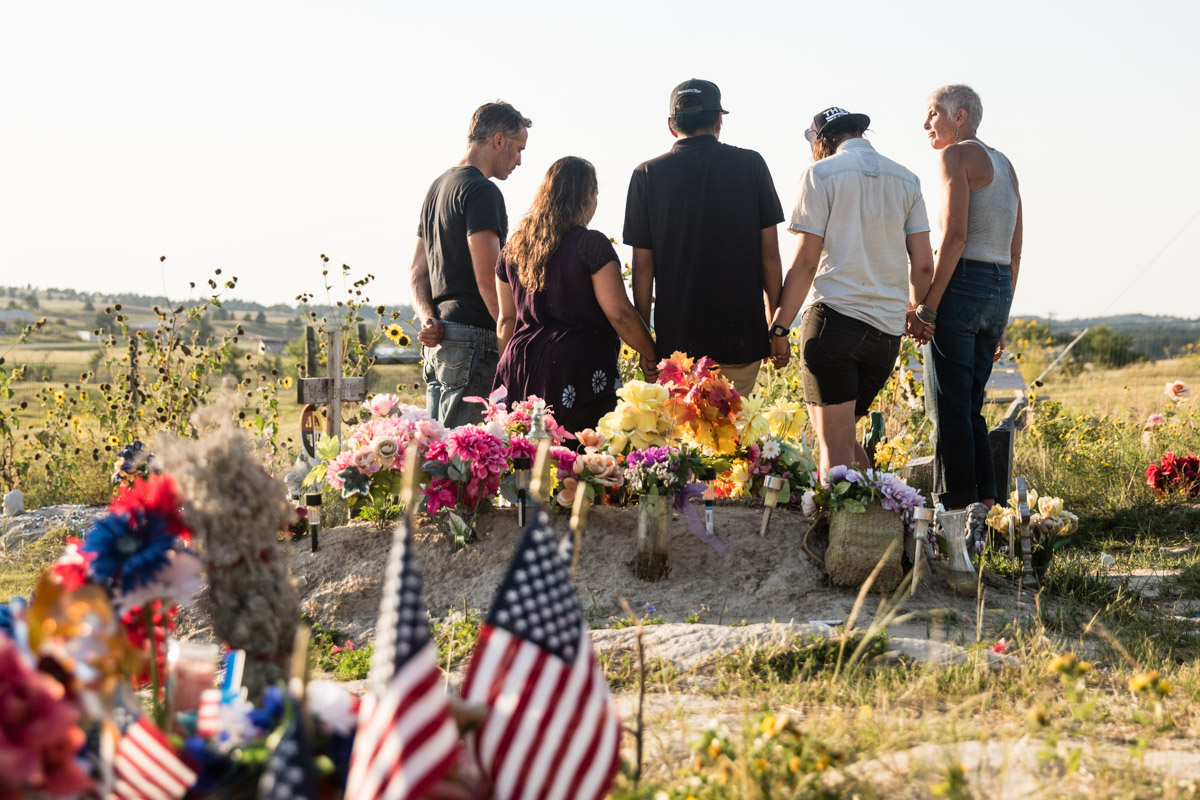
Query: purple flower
(649, 608)
(853, 475)
(837, 473)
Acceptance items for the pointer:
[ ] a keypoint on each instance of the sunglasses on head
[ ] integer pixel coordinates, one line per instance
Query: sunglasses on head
(810, 135)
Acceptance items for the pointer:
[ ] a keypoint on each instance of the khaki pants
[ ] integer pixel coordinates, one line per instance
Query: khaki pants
(742, 376)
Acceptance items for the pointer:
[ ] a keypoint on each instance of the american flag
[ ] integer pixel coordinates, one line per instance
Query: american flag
(289, 772)
(145, 766)
(406, 739)
(552, 730)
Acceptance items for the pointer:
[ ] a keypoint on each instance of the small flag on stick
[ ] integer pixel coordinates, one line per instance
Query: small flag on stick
(406, 740)
(552, 732)
(145, 765)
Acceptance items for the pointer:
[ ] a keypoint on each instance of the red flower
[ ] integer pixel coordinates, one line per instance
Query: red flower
(157, 494)
(134, 624)
(38, 734)
(71, 569)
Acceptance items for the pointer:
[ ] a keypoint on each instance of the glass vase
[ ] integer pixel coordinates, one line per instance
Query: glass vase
(654, 537)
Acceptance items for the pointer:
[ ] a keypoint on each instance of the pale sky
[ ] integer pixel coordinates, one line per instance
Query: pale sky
(253, 136)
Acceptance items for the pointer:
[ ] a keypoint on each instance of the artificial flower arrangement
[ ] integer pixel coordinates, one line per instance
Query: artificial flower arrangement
(1050, 527)
(853, 490)
(97, 622)
(703, 403)
(670, 472)
(784, 458)
(1175, 474)
(366, 465)
(592, 471)
(641, 419)
(132, 462)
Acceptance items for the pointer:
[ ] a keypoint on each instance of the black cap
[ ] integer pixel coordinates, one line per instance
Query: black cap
(832, 115)
(695, 95)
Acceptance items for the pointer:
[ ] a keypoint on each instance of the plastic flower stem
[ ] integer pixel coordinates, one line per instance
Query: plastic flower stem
(156, 705)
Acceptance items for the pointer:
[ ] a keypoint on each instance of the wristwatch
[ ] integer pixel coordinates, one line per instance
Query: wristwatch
(779, 330)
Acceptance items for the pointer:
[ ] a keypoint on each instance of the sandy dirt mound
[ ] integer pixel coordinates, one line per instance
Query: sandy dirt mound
(757, 580)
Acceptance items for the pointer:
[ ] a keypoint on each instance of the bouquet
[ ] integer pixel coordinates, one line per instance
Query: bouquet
(591, 471)
(661, 470)
(641, 419)
(367, 465)
(704, 403)
(499, 421)
(1050, 525)
(785, 459)
(852, 490)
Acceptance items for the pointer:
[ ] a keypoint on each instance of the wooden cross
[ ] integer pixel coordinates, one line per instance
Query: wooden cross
(332, 390)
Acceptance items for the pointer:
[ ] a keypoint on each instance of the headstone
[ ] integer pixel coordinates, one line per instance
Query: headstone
(14, 503)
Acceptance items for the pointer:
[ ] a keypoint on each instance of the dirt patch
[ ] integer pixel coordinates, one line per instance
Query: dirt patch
(757, 580)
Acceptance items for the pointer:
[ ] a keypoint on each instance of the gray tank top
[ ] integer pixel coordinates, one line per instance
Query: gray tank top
(992, 213)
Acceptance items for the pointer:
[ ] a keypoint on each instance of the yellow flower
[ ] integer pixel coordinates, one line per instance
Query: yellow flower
(760, 764)
(114, 441)
(18, 373)
(628, 353)
(1050, 506)
(60, 398)
(773, 726)
(286, 382)
(794, 764)
(714, 748)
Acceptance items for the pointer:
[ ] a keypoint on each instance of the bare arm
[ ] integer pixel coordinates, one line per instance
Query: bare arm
(956, 194)
(1018, 240)
(920, 275)
(430, 334)
(485, 252)
(796, 284)
(625, 319)
(772, 269)
(799, 278)
(507, 321)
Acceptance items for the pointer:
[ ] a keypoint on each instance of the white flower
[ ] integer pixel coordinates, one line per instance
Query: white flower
(1177, 391)
(175, 584)
(599, 381)
(808, 503)
(333, 705)
(568, 398)
(771, 449)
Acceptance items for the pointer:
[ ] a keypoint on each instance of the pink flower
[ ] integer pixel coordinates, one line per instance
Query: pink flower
(343, 460)
(381, 404)
(999, 647)
(366, 461)
(1155, 419)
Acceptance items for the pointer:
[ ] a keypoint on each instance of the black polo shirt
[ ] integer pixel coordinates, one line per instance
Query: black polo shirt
(701, 208)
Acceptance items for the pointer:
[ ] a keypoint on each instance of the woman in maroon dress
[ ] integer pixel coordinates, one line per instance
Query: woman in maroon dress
(563, 304)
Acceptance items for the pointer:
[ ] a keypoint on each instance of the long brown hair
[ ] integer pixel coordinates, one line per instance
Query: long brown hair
(826, 144)
(561, 203)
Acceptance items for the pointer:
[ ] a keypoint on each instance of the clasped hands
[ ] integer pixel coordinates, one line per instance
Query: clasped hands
(918, 331)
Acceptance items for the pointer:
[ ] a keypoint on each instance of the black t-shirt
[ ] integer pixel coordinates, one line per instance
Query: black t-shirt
(701, 208)
(461, 202)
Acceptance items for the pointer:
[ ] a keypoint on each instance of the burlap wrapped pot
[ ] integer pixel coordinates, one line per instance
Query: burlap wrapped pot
(857, 542)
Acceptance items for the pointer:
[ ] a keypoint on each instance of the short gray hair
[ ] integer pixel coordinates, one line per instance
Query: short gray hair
(959, 95)
(498, 117)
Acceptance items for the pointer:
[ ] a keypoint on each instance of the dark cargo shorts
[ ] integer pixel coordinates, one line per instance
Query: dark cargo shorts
(843, 359)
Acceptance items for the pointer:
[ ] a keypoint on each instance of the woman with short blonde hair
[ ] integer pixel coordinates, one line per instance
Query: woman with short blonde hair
(966, 308)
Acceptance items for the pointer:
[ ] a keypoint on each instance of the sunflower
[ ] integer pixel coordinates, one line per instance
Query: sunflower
(286, 382)
(113, 441)
(396, 334)
(627, 353)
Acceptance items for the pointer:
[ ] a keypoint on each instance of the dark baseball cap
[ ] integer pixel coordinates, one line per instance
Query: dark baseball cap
(695, 95)
(832, 115)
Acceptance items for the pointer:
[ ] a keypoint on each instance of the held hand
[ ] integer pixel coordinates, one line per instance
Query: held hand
(781, 351)
(919, 331)
(999, 349)
(649, 368)
(431, 332)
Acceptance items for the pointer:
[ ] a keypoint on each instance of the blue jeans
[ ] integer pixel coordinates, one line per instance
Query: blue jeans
(463, 365)
(958, 362)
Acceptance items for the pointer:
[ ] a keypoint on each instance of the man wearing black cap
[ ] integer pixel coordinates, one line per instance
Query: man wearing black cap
(701, 221)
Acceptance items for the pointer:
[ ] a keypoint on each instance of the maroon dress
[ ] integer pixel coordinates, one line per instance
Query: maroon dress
(563, 348)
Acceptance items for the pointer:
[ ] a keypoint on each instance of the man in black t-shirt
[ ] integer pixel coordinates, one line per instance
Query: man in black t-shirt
(701, 220)
(463, 226)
